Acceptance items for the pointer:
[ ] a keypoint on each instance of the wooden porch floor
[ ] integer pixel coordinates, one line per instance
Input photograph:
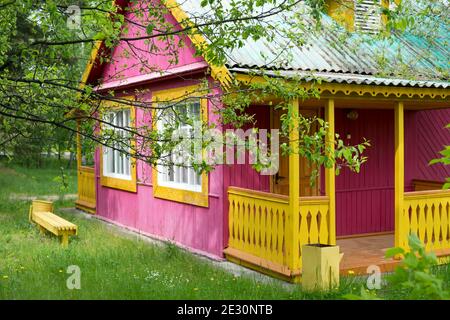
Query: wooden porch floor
(361, 252)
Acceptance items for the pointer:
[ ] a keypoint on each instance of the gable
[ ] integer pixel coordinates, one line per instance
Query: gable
(140, 57)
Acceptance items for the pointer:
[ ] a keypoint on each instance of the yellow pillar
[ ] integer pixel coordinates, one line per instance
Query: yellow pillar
(79, 154)
(400, 238)
(330, 174)
(294, 189)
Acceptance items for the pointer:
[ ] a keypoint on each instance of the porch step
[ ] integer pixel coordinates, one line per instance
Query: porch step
(261, 264)
(85, 206)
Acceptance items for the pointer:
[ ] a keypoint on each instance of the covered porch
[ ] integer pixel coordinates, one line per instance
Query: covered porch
(266, 230)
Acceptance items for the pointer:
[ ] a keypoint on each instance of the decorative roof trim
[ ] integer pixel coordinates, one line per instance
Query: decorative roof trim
(361, 89)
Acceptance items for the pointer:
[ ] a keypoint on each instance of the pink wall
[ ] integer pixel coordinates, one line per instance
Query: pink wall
(134, 58)
(365, 201)
(191, 226)
(243, 175)
(430, 137)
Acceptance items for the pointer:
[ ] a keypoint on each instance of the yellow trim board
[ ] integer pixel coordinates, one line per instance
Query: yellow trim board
(184, 196)
(359, 89)
(117, 183)
(90, 65)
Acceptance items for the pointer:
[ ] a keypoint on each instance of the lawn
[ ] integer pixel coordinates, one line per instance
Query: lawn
(115, 266)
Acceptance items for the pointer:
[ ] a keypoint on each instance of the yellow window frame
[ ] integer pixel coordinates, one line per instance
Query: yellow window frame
(114, 182)
(169, 193)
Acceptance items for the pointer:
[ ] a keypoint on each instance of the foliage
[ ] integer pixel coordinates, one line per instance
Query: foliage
(43, 54)
(414, 274)
(414, 277)
(61, 179)
(312, 131)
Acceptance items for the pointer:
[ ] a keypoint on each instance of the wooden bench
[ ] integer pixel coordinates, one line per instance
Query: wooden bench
(424, 185)
(41, 213)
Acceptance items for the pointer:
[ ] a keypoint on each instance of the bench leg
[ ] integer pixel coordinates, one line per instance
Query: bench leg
(41, 230)
(65, 240)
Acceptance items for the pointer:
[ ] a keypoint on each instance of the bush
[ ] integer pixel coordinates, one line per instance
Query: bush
(414, 275)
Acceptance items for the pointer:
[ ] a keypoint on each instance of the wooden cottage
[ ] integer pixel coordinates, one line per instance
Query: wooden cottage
(262, 221)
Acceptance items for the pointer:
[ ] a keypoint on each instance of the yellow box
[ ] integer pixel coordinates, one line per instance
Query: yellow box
(320, 269)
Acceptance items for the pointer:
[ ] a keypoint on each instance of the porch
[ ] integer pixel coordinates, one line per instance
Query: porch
(266, 230)
(260, 236)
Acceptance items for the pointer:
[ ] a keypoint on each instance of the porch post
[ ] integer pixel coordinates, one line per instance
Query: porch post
(330, 174)
(399, 173)
(294, 190)
(79, 154)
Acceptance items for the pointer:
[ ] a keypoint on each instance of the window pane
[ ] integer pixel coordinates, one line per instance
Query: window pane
(184, 174)
(195, 111)
(183, 114)
(127, 166)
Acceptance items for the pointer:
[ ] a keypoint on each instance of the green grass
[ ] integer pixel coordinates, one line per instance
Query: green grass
(114, 266)
(34, 182)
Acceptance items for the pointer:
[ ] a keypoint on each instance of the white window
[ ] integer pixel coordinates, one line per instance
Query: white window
(177, 172)
(368, 16)
(117, 164)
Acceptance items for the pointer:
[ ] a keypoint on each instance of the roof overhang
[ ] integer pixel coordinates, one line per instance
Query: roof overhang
(352, 85)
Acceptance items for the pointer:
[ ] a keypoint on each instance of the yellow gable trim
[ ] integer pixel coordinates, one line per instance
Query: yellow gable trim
(90, 65)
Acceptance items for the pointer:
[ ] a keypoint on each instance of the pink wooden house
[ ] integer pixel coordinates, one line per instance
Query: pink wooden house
(262, 221)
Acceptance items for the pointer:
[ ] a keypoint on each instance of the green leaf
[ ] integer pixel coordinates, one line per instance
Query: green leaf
(392, 252)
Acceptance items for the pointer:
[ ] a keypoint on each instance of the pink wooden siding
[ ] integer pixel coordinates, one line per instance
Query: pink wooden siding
(365, 201)
(430, 137)
(129, 58)
(243, 175)
(194, 227)
(191, 226)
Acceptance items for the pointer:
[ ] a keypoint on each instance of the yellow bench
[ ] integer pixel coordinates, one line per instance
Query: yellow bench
(41, 213)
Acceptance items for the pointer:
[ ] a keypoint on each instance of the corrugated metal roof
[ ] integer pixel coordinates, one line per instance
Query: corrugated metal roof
(346, 78)
(353, 59)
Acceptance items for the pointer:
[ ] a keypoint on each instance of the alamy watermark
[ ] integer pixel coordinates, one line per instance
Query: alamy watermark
(374, 279)
(74, 280)
(74, 17)
(234, 146)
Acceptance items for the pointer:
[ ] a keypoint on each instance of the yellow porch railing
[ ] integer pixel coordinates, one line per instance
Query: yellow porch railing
(86, 189)
(313, 224)
(427, 214)
(258, 227)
